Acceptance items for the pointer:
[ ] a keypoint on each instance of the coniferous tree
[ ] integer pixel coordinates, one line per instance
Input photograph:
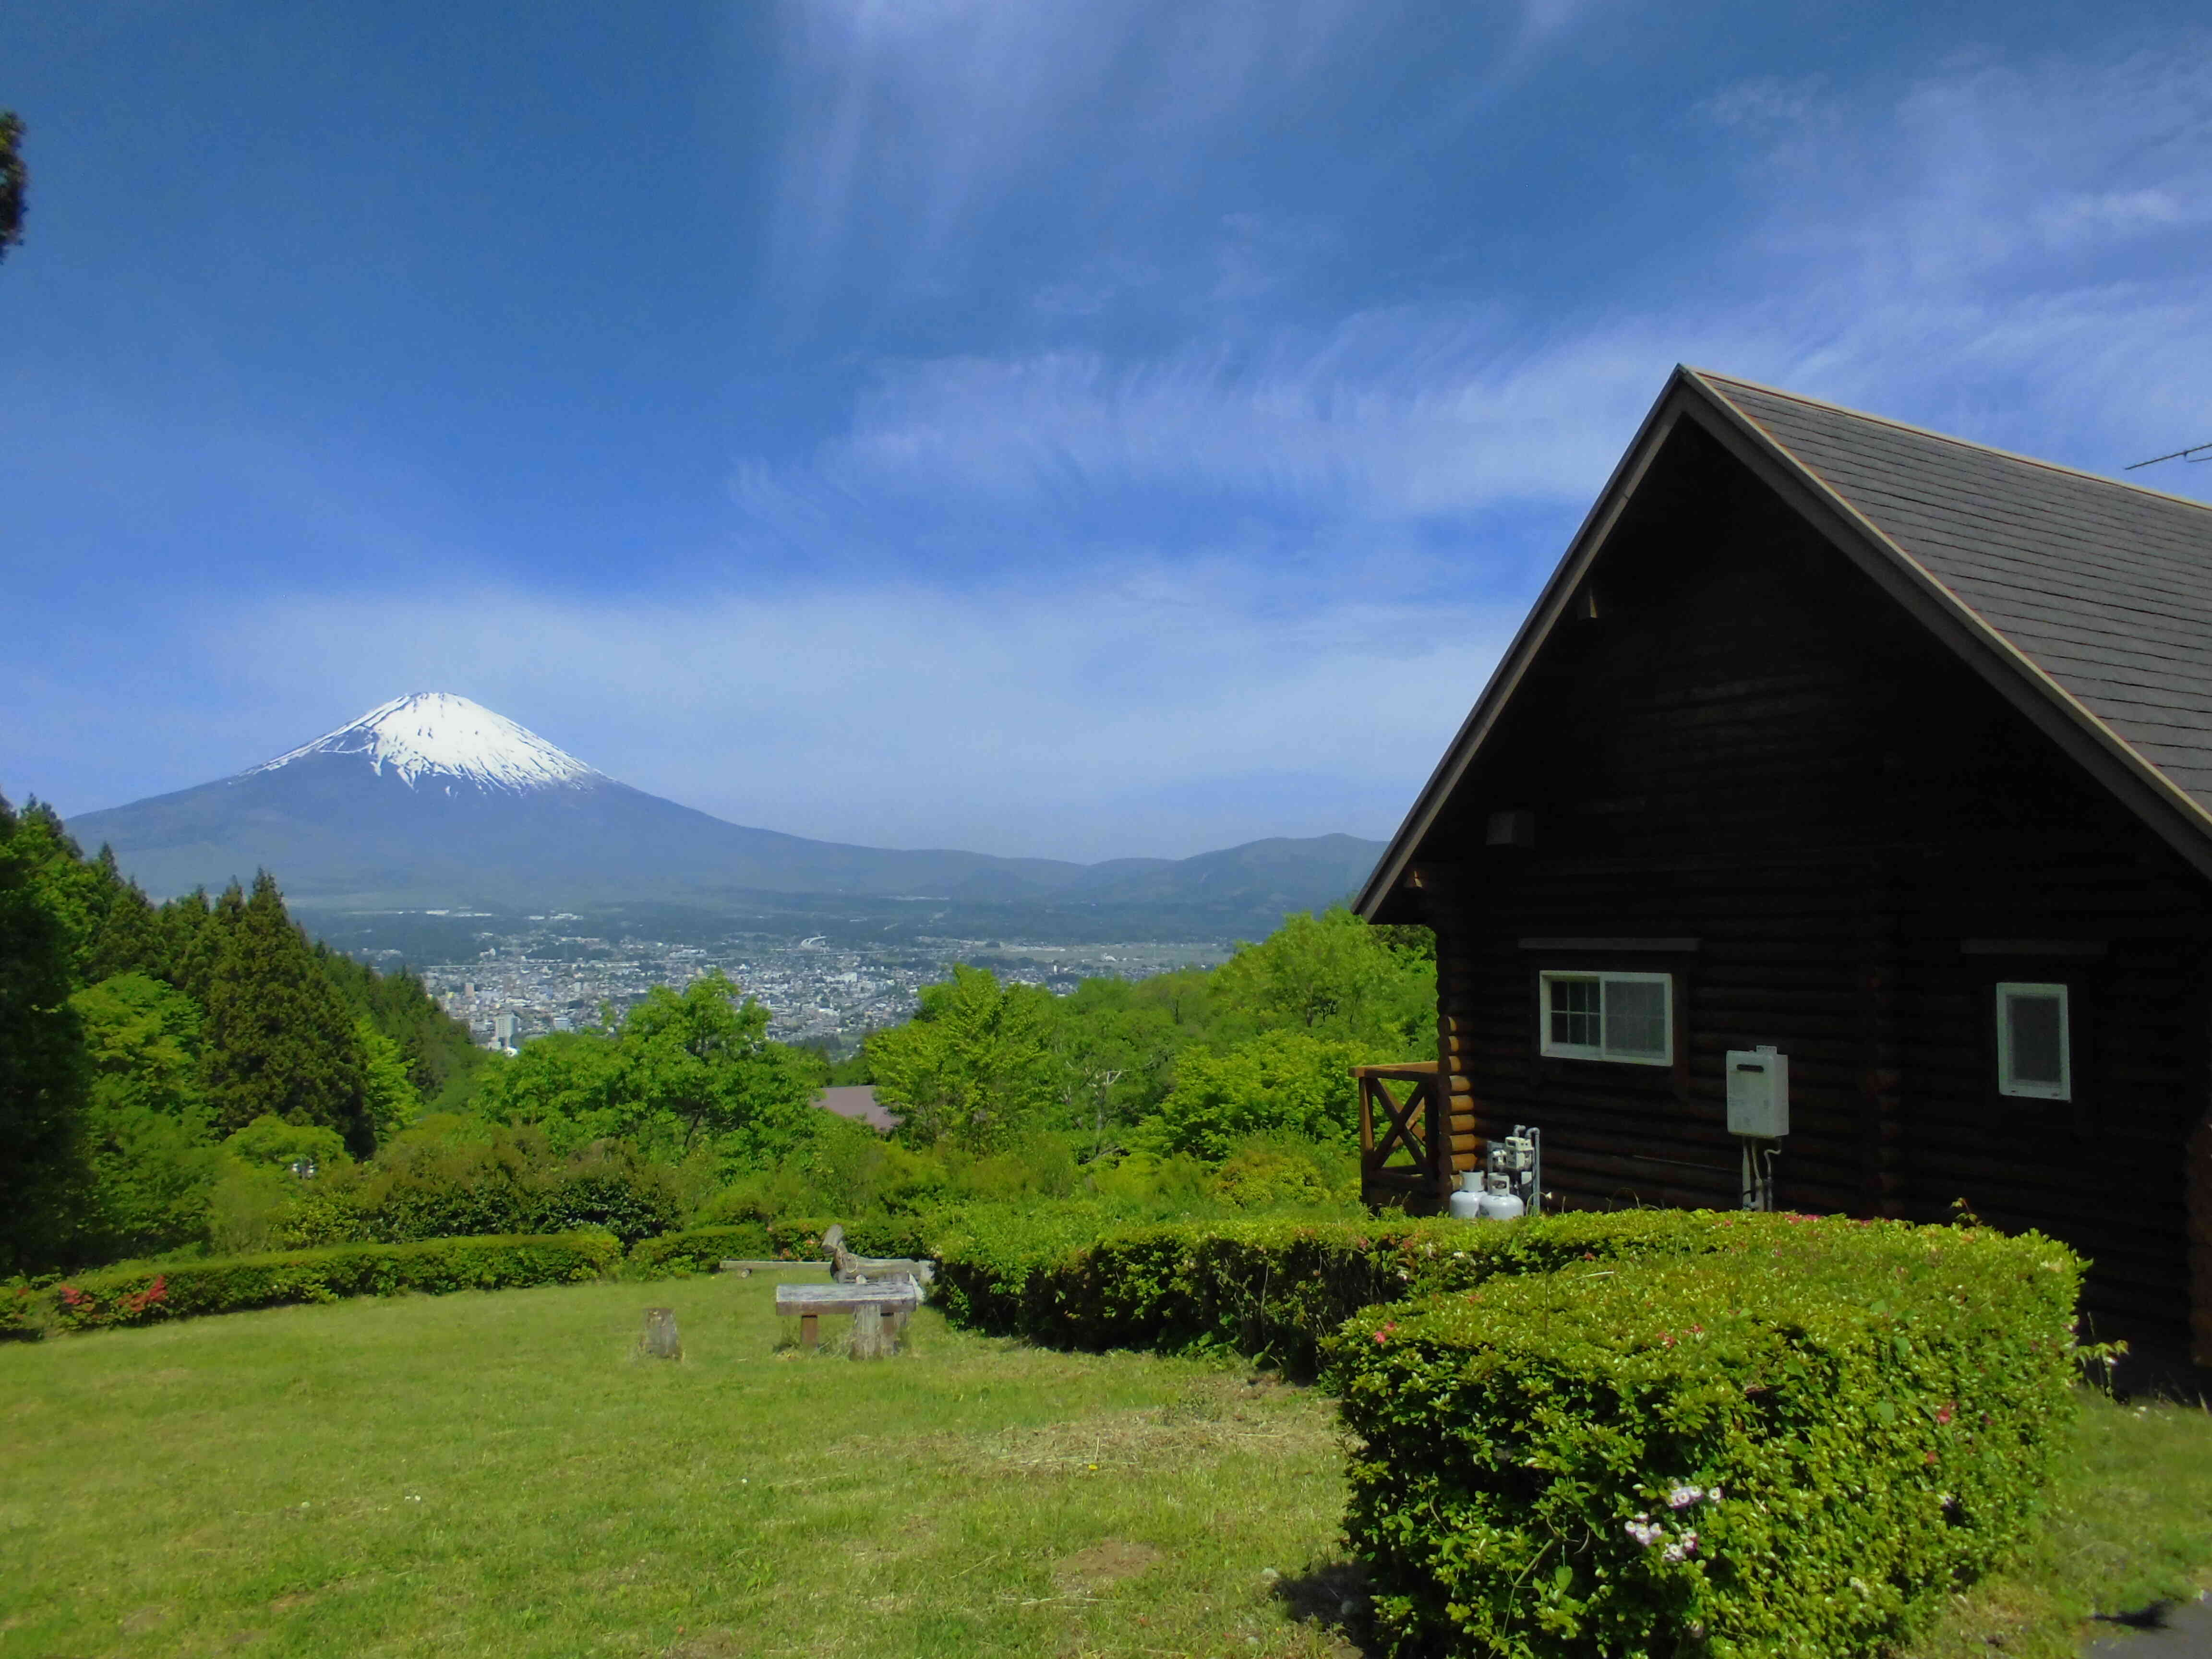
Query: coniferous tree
(191, 942)
(128, 939)
(281, 1041)
(43, 1074)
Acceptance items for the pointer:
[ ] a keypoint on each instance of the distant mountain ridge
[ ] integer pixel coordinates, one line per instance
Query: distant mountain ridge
(434, 800)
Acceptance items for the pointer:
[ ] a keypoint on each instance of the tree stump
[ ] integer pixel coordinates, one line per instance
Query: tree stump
(661, 1341)
(872, 1335)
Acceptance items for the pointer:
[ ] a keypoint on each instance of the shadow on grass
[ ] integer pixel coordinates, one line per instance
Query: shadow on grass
(1333, 1595)
(2157, 1616)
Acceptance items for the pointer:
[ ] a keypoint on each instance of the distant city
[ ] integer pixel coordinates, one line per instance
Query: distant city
(522, 984)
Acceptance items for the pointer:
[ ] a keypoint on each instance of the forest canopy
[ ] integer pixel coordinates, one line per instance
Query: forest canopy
(201, 1076)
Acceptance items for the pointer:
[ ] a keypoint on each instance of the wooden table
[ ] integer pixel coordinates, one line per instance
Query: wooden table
(894, 1300)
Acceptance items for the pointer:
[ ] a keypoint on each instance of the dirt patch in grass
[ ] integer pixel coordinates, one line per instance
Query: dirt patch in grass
(1101, 1566)
(708, 1645)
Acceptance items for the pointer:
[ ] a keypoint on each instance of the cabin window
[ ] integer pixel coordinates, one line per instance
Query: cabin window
(2034, 1054)
(1623, 1016)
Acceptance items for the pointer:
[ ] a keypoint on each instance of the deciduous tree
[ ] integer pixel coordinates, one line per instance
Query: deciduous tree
(974, 1067)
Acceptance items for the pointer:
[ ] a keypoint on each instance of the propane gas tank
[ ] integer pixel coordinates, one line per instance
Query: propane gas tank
(1497, 1202)
(1466, 1203)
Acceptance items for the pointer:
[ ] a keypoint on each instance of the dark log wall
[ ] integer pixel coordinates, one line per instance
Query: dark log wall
(1750, 747)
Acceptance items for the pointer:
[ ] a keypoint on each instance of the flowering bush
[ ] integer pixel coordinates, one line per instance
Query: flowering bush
(123, 1295)
(1784, 1448)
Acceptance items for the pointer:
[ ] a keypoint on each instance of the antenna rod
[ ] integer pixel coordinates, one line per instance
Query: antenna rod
(2177, 455)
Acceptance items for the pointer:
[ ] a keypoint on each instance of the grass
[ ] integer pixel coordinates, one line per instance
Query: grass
(2128, 1525)
(504, 1474)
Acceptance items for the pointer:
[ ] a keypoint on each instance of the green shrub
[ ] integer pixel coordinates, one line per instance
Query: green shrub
(699, 1250)
(510, 1180)
(145, 1294)
(1078, 1276)
(799, 1238)
(1783, 1448)
(1279, 1172)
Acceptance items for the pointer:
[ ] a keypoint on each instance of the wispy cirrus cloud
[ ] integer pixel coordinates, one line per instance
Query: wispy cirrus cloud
(2011, 252)
(912, 130)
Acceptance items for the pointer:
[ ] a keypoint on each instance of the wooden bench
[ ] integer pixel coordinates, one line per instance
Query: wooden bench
(870, 1305)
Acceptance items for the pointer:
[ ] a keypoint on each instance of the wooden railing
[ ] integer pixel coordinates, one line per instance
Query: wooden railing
(1411, 1123)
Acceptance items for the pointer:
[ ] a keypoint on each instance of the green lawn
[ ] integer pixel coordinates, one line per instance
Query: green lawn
(500, 1475)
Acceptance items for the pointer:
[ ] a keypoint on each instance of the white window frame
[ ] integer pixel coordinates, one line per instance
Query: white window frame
(2008, 1084)
(1598, 1051)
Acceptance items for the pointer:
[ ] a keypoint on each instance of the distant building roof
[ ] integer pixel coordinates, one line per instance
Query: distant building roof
(857, 1101)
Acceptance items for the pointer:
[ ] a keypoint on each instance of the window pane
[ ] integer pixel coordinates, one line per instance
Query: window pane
(1636, 1017)
(1575, 1013)
(2036, 1023)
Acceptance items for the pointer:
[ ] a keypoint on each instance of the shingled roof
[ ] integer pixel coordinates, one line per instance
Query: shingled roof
(2087, 600)
(2106, 587)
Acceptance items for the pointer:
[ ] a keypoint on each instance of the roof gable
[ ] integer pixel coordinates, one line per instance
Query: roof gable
(2087, 602)
(2106, 587)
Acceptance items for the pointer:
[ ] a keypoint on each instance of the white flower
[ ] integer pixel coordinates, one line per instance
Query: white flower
(1645, 1531)
(1682, 1497)
(1681, 1549)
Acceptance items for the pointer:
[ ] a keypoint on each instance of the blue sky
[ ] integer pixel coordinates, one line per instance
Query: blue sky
(1081, 428)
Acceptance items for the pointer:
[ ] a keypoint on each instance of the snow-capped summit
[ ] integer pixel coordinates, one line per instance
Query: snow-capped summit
(433, 737)
(434, 802)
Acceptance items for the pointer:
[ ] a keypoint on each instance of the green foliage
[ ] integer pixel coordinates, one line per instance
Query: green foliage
(1280, 1172)
(14, 180)
(1115, 1044)
(280, 1184)
(974, 1067)
(434, 1049)
(1088, 1274)
(698, 1249)
(1333, 975)
(568, 1084)
(44, 1077)
(683, 1074)
(1792, 1446)
(799, 1238)
(148, 1131)
(188, 1019)
(140, 1296)
(302, 1150)
(701, 1062)
(143, 1038)
(281, 1041)
(390, 1099)
(510, 1180)
(1279, 1082)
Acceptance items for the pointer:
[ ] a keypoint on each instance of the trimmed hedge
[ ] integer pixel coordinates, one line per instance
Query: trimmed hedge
(799, 1238)
(1274, 1290)
(699, 1250)
(146, 1295)
(1784, 1448)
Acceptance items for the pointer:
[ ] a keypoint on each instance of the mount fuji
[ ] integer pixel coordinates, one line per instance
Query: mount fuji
(434, 800)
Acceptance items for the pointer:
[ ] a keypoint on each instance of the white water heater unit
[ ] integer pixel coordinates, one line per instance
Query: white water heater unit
(1758, 1093)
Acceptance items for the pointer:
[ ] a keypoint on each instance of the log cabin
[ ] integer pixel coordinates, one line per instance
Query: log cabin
(1888, 751)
